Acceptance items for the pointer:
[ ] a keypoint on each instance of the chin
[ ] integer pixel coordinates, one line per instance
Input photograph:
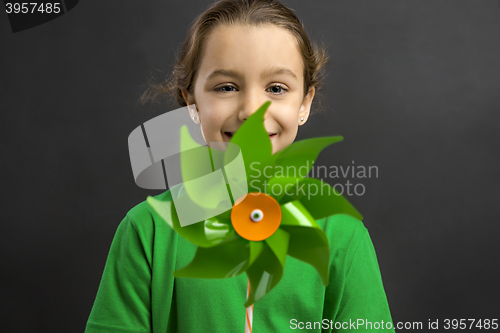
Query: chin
(277, 148)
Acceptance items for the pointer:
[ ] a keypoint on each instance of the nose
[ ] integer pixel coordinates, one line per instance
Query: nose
(250, 102)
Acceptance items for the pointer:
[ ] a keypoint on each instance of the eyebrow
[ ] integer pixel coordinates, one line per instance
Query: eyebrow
(238, 75)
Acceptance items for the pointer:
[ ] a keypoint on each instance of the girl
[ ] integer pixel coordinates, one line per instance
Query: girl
(237, 55)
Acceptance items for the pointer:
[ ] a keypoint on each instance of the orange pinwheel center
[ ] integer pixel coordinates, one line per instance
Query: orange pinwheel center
(256, 216)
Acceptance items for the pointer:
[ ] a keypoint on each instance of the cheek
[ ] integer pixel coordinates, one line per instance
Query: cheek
(291, 124)
(289, 134)
(287, 118)
(211, 119)
(216, 112)
(209, 109)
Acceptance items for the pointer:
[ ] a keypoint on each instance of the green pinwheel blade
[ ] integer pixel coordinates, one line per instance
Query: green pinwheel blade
(196, 168)
(233, 168)
(285, 189)
(308, 242)
(278, 243)
(267, 270)
(226, 260)
(318, 197)
(301, 155)
(256, 249)
(311, 246)
(327, 201)
(195, 158)
(210, 232)
(294, 214)
(254, 142)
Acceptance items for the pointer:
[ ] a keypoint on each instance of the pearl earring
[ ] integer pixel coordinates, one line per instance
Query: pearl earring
(301, 119)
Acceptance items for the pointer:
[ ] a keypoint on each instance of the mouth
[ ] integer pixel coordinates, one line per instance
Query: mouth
(230, 134)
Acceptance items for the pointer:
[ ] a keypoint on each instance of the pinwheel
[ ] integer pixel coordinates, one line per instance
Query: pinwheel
(273, 214)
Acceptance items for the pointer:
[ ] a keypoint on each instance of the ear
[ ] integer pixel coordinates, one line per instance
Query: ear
(305, 107)
(193, 112)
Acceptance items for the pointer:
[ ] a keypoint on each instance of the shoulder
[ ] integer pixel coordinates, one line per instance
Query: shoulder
(142, 216)
(344, 233)
(341, 226)
(143, 210)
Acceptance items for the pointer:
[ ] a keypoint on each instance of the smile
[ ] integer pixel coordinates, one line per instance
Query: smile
(230, 134)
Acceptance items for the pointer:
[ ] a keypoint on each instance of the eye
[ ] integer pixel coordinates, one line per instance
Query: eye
(278, 89)
(225, 88)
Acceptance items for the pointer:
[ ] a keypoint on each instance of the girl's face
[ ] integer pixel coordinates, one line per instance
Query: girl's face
(242, 67)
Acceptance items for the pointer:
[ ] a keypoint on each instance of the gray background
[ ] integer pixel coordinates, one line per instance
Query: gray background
(413, 86)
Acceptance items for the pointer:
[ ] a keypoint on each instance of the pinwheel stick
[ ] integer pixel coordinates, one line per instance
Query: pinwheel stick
(249, 314)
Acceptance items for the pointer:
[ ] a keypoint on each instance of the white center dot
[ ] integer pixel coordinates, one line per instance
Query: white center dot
(256, 215)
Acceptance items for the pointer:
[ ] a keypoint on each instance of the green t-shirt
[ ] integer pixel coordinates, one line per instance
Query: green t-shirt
(138, 292)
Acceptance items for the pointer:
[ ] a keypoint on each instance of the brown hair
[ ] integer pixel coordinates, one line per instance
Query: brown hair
(227, 12)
